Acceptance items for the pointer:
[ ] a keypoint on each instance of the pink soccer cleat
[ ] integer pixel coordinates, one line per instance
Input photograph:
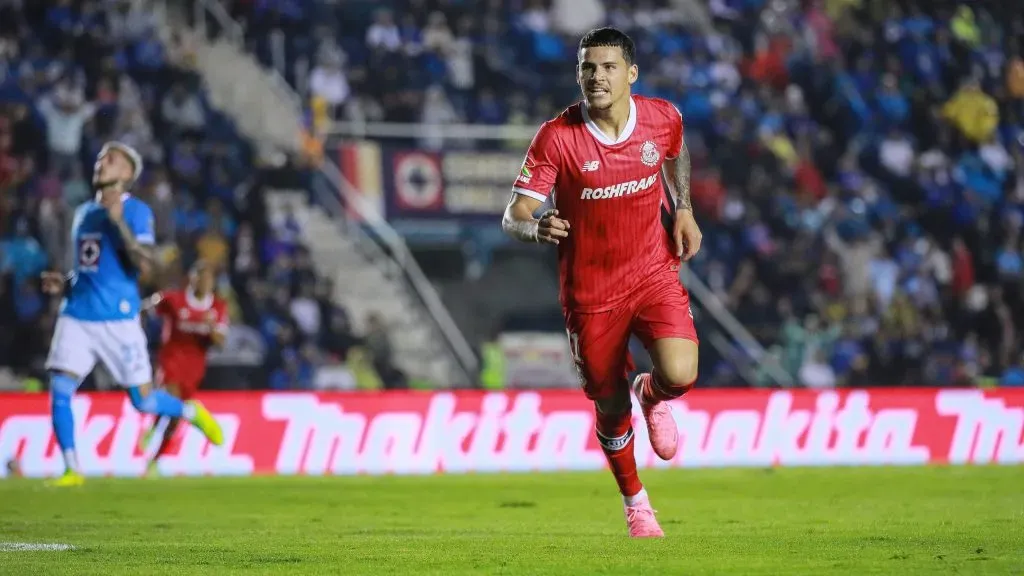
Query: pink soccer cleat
(641, 521)
(661, 426)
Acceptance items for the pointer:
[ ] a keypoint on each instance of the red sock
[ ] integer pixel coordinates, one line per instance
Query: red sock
(653, 389)
(615, 434)
(165, 443)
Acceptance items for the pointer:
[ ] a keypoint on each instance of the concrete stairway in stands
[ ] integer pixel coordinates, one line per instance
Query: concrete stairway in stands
(367, 283)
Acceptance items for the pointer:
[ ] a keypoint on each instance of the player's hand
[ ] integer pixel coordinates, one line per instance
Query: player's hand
(53, 283)
(687, 235)
(111, 200)
(552, 228)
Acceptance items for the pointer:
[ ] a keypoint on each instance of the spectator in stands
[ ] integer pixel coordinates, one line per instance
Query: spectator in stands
(384, 35)
(1014, 375)
(378, 343)
(182, 111)
(330, 83)
(117, 71)
(869, 163)
(66, 113)
(437, 112)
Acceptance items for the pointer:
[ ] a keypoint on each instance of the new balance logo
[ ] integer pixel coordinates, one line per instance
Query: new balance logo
(591, 166)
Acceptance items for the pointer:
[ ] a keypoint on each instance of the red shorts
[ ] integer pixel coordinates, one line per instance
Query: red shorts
(178, 375)
(599, 341)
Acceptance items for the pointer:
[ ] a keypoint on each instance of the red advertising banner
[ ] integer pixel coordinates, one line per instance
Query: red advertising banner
(451, 432)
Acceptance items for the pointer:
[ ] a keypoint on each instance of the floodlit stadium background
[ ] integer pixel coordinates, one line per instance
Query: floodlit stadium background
(858, 174)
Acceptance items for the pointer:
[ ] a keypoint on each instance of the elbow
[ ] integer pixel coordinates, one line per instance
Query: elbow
(506, 224)
(145, 273)
(149, 272)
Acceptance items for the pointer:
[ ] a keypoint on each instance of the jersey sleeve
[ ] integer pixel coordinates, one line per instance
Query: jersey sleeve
(675, 146)
(142, 225)
(540, 168)
(221, 309)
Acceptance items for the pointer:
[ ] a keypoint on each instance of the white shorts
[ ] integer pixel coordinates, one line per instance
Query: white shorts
(120, 344)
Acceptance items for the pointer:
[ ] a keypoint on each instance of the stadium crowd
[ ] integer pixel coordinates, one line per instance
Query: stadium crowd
(76, 74)
(859, 164)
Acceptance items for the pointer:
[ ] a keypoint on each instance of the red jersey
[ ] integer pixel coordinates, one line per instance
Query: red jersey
(611, 193)
(188, 323)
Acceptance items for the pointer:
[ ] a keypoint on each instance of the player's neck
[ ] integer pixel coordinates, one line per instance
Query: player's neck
(613, 120)
(117, 189)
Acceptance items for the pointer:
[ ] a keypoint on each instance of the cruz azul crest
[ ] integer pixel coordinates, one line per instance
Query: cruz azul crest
(649, 153)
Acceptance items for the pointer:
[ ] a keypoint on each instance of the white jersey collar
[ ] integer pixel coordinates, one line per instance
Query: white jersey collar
(601, 136)
(196, 303)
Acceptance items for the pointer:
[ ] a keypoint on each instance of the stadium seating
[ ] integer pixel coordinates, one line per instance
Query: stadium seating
(858, 164)
(73, 75)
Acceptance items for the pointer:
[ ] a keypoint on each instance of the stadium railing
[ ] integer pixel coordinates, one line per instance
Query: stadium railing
(348, 207)
(383, 243)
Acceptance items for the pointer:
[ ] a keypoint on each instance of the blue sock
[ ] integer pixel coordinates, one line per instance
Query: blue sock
(157, 402)
(62, 389)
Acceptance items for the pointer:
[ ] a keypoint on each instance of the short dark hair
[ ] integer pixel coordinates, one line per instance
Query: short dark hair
(610, 37)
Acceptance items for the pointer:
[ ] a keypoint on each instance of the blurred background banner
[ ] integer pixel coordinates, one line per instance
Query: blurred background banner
(537, 360)
(472, 431)
(464, 186)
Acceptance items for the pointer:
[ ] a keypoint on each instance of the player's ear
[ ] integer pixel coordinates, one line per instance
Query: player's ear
(634, 73)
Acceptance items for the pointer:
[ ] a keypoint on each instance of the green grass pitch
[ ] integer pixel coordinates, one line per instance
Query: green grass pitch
(781, 522)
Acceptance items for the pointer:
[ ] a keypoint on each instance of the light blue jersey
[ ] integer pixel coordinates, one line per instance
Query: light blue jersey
(104, 285)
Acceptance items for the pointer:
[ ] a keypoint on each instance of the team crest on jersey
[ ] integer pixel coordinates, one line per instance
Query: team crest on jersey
(649, 153)
(89, 252)
(183, 313)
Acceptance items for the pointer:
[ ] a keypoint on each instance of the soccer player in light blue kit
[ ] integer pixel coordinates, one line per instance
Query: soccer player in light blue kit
(112, 238)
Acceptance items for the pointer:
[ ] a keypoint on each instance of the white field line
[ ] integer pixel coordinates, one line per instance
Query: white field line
(34, 547)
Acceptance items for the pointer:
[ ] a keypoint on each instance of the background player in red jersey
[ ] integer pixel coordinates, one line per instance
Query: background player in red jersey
(620, 239)
(194, 319)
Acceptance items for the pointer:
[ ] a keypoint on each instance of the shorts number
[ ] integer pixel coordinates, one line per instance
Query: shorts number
(88, 254)
(574, 348)
(577, 358)
(132, 356)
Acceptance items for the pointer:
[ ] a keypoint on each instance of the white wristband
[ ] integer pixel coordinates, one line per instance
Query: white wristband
(523, 230)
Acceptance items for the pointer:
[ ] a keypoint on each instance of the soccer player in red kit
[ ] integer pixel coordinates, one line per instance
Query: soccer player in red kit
(620, 238)
(194, 320)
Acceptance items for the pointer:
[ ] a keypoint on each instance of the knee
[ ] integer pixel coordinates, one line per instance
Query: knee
(62, 388)
(678, 373)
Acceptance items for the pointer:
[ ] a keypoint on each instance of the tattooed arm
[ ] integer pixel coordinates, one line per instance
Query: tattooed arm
(137, 236)
(141, 255)
(677, 176)
(686, 233)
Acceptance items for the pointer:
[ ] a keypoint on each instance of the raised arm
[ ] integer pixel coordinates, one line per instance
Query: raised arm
(137, 234)
(141, 255)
